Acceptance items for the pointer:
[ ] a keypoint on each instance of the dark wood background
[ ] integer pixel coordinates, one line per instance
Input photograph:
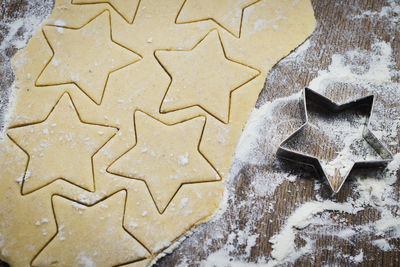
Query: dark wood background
(337, 32)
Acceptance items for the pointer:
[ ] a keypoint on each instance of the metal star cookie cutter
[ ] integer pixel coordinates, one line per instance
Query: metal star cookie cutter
(323, 103)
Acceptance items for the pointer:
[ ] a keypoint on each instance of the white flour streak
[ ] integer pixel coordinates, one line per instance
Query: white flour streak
(258, 144)
(283, 243)
(373, 191)
(391, 12)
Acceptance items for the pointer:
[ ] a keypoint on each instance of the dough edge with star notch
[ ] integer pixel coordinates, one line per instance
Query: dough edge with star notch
(64, 145)
(178, 161)
(126, 8)
(82, 241)
(229, 19)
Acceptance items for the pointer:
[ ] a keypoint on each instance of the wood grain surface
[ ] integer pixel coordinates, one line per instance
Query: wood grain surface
(336, 33)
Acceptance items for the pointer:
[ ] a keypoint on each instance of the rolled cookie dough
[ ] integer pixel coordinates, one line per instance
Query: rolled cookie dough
(125, 121)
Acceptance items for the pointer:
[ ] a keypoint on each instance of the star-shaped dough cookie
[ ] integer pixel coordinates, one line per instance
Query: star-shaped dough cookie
(226, 13)
(203, 76)
(173, 149)
(90, 235)
(60, 147)
(84, 56)
(125, 8)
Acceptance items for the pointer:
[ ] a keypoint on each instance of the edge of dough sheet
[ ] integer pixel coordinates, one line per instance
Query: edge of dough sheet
(10, 106)
(222, 205)
(224, 202)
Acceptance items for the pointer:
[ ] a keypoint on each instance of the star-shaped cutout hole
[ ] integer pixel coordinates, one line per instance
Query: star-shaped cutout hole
(125, 8)
(60, 147)
(173, 149)
(335, 138)
(203, 76)
(90, 235)
(228, 14)
(85, 56)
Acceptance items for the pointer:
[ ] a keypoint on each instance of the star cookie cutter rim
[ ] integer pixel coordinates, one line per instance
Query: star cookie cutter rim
(328, 105)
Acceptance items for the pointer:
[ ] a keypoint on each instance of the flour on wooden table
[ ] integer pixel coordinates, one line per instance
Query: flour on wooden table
(312, 218)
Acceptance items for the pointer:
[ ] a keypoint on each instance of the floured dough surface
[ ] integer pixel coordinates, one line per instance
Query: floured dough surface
(125, 121)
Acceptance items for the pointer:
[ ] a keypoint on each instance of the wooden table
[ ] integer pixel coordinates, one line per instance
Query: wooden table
(337, 32)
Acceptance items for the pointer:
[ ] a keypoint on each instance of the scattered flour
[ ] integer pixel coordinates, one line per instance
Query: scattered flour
(383, 244)
(260, 24)
(183, 159)
(390, 12)
(60, 23)
(300, 51)
(283, 243)
(78, 206)
(183, 202)
(311, 218)
(359, 257)
(373, 192)
(222, 259)
(85, 261)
